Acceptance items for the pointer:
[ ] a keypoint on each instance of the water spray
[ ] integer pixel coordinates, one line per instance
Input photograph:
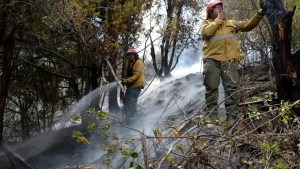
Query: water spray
(13, 157)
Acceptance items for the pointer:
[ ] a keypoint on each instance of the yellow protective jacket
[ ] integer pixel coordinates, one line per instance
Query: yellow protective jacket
(135, 74)
(219, 37)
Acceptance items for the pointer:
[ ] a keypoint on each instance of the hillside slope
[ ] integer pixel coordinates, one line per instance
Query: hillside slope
(176, 134)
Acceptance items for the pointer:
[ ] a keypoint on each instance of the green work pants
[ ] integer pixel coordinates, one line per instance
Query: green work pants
(130, 101)
(212, 73)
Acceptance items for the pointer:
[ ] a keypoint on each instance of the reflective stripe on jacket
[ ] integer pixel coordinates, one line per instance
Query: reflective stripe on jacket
(219, 37)
(137, 79)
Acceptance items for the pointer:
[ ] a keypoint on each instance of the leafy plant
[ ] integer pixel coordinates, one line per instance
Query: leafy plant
(79, 137)
(285, 112)
(254, 113)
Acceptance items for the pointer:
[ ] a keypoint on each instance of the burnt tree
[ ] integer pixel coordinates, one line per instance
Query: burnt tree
(286, 64)
(8, 28)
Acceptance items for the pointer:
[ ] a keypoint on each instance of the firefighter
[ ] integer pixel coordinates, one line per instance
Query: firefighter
(134, 81)
(221, 55)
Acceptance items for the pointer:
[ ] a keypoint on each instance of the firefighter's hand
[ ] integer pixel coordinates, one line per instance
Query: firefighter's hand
(124, 81)
(222, 15)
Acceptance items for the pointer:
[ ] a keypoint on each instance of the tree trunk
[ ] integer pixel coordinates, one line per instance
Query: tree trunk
(172, 44)
(5, 76)
(285, 63)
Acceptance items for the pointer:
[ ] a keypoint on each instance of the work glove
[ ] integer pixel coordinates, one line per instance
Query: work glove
(124, 81)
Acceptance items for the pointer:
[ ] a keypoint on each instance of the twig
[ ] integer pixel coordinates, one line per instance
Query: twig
(144, 148)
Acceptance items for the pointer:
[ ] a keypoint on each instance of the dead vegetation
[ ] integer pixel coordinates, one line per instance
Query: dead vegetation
(267, 135)
(265, 142)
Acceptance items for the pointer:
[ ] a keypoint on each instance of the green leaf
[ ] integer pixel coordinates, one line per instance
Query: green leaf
(134, 155)
(79, 137)
(76, 117)
(101, 115)
(280, 165)
(156, 132)
(115, 137)
(131, 164)
(255, 98)
(180, 148)
(139, 167)
(90, 127)
(170, 159)
(105, 136)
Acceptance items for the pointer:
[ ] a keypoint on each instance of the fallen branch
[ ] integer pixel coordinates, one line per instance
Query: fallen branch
(115, 76)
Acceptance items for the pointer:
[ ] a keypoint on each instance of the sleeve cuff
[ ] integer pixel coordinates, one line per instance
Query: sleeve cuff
(219, 21)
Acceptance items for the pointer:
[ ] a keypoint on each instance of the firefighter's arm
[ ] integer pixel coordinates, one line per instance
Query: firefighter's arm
(245, 26)
(209, 28)
(138, 69)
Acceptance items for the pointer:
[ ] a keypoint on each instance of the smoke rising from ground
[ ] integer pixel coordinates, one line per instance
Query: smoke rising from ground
(163, 100)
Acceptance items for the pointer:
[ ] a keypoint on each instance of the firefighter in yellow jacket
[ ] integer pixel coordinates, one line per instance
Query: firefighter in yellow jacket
(134, 82)
(221, 54)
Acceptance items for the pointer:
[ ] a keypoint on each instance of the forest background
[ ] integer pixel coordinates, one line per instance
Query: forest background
(55, 52)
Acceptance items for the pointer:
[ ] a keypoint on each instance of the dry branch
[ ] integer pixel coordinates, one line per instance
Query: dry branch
(115, 75)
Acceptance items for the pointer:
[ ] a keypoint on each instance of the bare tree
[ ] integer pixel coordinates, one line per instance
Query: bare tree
(177, 35)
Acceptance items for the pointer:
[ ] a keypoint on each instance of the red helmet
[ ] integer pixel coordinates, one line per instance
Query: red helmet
(132, 50)
(211, 4)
